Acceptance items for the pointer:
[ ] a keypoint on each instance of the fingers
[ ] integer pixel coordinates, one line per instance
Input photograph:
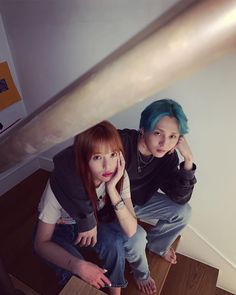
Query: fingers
(101, 280)
(122, 157)
(98, 284)
(93, 241)
(121, 163)
(181, 139)
(78, 239)
(105, 279)
(83, 241)
(171, 151)
(87, 238)
(122, 160)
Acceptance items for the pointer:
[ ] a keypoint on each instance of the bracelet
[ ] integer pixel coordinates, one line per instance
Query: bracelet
(120, 204)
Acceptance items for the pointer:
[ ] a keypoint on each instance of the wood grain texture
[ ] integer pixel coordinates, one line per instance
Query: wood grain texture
(190, 277)
(159, 269)
(18, 216)
(75, 286)
(21, 286)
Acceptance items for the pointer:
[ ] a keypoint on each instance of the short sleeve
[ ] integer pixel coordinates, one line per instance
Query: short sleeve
(49, 208)
(125, 194)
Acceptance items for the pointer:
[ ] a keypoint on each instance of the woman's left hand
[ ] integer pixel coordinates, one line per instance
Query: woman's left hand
(111, 184)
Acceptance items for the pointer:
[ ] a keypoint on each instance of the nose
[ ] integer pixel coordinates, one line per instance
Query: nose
(162, 141)
(105, 164)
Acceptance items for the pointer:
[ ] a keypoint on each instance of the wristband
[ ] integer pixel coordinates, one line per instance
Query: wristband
(119, 205)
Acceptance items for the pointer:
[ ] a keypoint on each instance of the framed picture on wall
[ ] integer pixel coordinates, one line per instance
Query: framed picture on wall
(8, 91)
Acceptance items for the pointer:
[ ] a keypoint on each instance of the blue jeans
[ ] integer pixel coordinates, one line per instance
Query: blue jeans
(136, 255)
(134, 249)
(172, 218)
(109, 248)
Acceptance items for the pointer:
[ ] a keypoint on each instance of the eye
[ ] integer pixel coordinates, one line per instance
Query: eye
(114, 154)
(157, 133)
(96, 157)
(173, 136)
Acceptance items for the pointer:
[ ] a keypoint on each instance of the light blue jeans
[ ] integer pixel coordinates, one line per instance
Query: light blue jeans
(133, 248)
(136, 255)
(109, 248)
(172, 218)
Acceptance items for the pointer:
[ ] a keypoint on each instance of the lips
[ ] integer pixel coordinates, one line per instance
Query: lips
(160, 151)
(107, 174)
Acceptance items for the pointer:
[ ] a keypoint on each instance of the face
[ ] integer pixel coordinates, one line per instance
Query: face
(103, 164)
(164, 137)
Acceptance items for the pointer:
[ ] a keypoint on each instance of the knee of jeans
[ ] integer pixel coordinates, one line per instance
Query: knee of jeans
(114, 245)
(184, 212)
(140, 236)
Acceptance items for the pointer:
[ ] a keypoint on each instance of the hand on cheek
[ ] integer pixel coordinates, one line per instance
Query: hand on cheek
(185, 152)
(119, 172)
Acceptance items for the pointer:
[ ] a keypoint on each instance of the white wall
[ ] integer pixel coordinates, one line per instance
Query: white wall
(10, 115)
(208, 98)
(54, 42)
(16, 111)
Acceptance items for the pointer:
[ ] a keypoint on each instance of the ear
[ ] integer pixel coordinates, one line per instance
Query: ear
(141, 131)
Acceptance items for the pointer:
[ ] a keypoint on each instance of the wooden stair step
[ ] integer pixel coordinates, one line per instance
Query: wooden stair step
(159, 269)
(18, 211)
(76, 286)
(23, 287)
(34, 272)
(190, 277)
(222, 292)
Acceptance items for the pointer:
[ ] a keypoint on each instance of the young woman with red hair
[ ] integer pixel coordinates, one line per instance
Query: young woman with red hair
(100, 172)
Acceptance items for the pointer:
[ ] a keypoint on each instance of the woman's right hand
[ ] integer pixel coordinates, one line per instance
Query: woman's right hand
(87, 238)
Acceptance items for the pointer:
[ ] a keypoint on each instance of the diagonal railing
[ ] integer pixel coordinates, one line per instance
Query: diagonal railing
(202, 33)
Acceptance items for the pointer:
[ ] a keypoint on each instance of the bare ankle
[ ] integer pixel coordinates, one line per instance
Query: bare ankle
(147, 286)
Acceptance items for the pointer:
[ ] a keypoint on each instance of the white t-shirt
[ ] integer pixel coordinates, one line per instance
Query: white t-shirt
(50, 211)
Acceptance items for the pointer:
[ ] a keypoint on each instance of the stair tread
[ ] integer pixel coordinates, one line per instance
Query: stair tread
(159, 269)
(187, 277)
(23, 287)
(16, 235)
(190, 277)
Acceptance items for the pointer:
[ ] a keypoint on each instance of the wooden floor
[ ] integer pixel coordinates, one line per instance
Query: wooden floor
(203, 278)
(18, 215)
(159, 269)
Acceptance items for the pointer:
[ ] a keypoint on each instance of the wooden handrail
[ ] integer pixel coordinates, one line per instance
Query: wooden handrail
(199, 35)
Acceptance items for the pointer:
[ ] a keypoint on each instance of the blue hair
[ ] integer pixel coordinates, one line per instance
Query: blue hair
(154, 112)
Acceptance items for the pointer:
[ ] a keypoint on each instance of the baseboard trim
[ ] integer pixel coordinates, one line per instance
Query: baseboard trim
(14, 176)
(45, 163)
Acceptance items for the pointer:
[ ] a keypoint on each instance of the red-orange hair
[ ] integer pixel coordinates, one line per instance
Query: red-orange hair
(86, 144)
